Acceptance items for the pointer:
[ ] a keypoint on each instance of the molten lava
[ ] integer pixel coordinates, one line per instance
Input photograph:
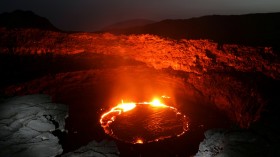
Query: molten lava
(139, 141)
(152, 121)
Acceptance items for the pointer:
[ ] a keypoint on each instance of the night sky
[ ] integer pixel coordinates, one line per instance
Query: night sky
(91, 15)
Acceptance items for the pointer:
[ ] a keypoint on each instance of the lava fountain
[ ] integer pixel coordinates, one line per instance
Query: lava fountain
(144, 122)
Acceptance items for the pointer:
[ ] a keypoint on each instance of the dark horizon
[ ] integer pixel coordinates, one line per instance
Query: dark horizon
(94, 15)
(134, 19)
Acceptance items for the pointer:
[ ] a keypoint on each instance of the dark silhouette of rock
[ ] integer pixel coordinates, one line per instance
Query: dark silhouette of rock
(25, 19)
(128, 24)
(250, 29)
(26, 125)
(94, 149)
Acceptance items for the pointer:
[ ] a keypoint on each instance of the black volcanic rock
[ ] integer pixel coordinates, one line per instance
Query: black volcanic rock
(128, 24)
(25, 19)
(253, 29)
(262, 139)
(26, 125)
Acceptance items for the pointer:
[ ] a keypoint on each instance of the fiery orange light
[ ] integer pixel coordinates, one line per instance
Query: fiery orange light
(139, 141)
(123, 107)
(157, 103)
(108, 117)
(126, 106)
(166, 97)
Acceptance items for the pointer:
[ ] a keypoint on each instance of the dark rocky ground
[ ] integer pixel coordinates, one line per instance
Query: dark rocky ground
(30, 125)
(27, 124)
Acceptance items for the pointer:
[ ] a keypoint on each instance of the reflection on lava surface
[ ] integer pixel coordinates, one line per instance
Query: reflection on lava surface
(144, 122)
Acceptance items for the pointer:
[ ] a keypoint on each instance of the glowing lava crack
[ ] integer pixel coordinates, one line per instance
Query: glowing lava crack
(144, 122)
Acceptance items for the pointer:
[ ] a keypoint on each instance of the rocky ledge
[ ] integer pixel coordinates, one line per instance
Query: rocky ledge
(26, 130)
(26, 125)
(241, 143)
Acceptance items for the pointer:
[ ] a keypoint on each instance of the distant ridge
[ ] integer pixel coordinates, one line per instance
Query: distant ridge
(262, 28)
(129, 24)
(25, 19)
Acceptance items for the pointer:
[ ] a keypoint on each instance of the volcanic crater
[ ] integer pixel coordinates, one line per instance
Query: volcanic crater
(214, 85)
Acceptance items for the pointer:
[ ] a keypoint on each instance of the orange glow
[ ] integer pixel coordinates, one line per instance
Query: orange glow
(166, 97)
(109, 117)
(157, 103)
(139, 141)
(126, 106)
(123, 107)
